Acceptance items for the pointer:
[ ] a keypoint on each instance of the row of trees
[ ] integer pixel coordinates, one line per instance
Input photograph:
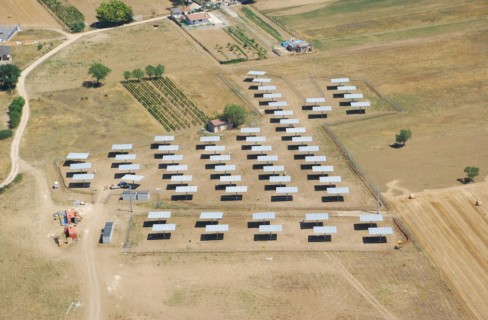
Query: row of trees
(150, 70)
(14, 113)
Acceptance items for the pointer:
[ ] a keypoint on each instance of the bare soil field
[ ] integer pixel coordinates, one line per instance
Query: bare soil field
(28, 13)
(453, 231)
(359, 22)
(33, 270)
(145, 8)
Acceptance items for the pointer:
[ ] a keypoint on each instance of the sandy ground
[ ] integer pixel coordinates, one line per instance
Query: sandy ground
(452, 229)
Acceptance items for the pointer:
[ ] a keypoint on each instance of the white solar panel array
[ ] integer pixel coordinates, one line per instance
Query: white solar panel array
(339, 80)
(339, 190)
(296, 130)
(261, 148)
(371, 217)
(315, 159)
(283, 113)
(263, 216)
(210, 139)
(287, 190)
(261, 80)
(176, 168)
(250, 130)
(159, 215)
(83, 177)
(267, 158)
(272, 95)
(256, 73)
(322, 108)
(325, 230)
(280, 179)
(274, 168)
(223, 157)
(353, 96)
(230, 167)
(315, 100)
(330, 179)
(346, 88)
(129, 167)
(277, 104)
(361, 104)
(302, 139)
(322, 168)
(217, 228)
(169, 147)
(308, 149)
(125, 157)
(271, 228)
(186, 189)
(184, 178)
(214, 148)
(380, 231)
(235, 178)
(289, 121)
(77, 156)
(266, 88)
(172, 157)
(237, 189)
(121, 147)
(316, 216)
(80, 166)
(164, 138)
(255, 139)
(211, 215)
(164, 227)
(132, 177)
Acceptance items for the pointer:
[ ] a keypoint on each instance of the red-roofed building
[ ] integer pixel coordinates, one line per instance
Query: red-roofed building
(193, 19)
(218, 125)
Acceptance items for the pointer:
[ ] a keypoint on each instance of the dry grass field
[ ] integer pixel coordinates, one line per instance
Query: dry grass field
(435, 72)
(453, 231)
(145, 8)
(5, 100)
(28, 13)
(28, 51)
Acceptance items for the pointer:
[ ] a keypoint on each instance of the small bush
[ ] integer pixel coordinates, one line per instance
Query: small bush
(5, 134)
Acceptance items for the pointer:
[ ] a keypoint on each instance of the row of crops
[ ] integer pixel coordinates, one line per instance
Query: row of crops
(251, 15)
(67, 13)
(167, 103)
(241, 37)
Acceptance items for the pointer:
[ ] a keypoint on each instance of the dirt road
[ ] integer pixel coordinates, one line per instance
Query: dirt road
(92, 292)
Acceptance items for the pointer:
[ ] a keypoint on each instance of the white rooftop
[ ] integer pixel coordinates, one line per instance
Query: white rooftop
(159, 215)
(272, 95)
(229, 167)
(172, 157)
(263, 216)
(274, 168)
(322, 108)
(211, 215)
(315, 159)
(289, 121)
(380, 231)
(132, 177)
(296, 130)
(266, 88)
(325, 230)
(230, 178)
(361, 104)
(278, 104)
(261, 80)
(210, 139)
(222, 157)
(283, 113)
(216, 228)
(237, 189)
(129, 167)
(214, 148)
(250, 130)
(184, 178)
(85, 176)
(261, 148)
(186, 189)
(323, 169)
(370, 217)
(80, 166)
(279, 178)
(125, 157)
(271, 228)
(316, 216)
(164, 138)
(330, 179)
(340, 190)
(286, 190)
(169, 147)
(353, 96)
(339, 80)
(301, 139)
(256, 73)
(315, 100)
(180, 167)
(346, 88)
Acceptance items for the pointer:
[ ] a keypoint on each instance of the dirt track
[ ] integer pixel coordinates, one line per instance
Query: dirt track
(454, 232)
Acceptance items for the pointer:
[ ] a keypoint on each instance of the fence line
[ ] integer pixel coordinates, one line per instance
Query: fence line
(279, 24)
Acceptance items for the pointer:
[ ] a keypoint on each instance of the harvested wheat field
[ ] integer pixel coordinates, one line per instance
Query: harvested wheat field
(28, 13)
(453, 230)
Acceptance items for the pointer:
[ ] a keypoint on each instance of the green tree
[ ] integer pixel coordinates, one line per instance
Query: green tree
(471, 173)
(158, 71)
(9, 75)
(234, 113)
(150, 71)
(138, 74)
(127, 75)
(114, 12)
(403, 136)
(98, 71)
(78, 26)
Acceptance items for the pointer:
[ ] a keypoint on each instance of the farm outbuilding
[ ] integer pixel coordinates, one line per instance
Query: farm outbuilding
(136, 195)
(194, 19)
(5, 55)
(297, 45)
(7, 32)
(108, 231)
(218, 125)
(176, 13)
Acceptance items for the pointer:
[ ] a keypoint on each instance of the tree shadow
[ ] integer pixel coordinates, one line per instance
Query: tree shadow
(397, 145)
(91, 84)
